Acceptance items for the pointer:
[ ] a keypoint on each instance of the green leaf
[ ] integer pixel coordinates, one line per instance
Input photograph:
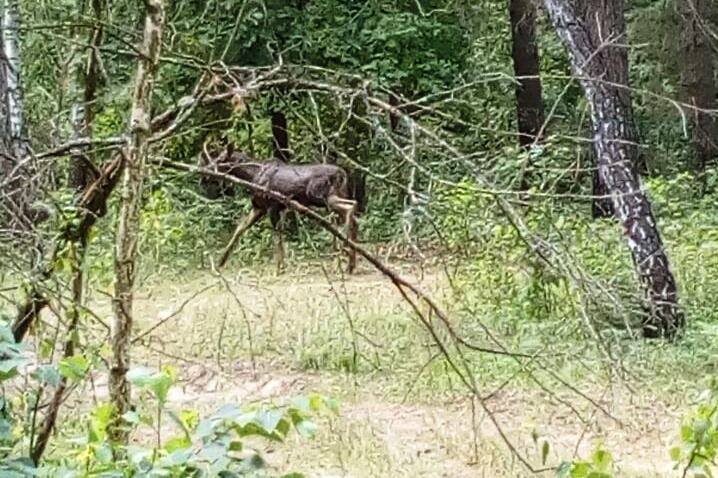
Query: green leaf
(602, 460)
(307, 428)
(100, 419)
(269, 418)
(177, 443)
(9, 365)
(132, 417)
(73, 368)
(47, 375)
(159, 383)
(103, 453)
(316, 402)
(544, 452)
(580, 470)
(178, 457)
(675, 453)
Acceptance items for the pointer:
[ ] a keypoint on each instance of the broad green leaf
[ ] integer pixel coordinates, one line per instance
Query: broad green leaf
(675, 453)
(73, 368)
(602, 460)
(177, 443)
(178, 457)
(47, 375)
(307, 428)
(9, 366)
(103, 453)
(158, 383)
(132, 417)
(269, 418)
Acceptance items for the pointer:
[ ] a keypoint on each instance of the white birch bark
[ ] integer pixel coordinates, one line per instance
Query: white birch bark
(13, 65)
(594, 34)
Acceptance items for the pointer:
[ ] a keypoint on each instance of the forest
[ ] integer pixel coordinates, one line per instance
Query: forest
(371, 238)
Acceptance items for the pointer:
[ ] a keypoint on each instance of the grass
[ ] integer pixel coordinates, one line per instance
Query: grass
(356, 340)
(256, 336)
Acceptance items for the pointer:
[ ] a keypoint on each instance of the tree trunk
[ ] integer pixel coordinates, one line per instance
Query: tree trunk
(697, 78)
(11, 47)
(21, 185)
(83, 112)
(601, 204)
(595, 35)
(5, 157)
(280, 136)
(129, 218)
(524, 51)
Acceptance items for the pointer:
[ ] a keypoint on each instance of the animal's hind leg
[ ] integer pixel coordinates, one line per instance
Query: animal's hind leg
(346, 208)
(248, 222)
(277, 218)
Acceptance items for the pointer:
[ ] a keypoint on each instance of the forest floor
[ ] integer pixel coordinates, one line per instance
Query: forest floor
(255, 336)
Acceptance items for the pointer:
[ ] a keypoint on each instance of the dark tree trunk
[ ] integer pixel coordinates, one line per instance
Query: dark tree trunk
(697, 78)
(594, 32)
(82, 171)
(280, 136)
(529, 103)
(602, 204)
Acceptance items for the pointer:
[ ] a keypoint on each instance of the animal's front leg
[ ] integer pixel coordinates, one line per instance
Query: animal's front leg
(248, 222)
(277, 218)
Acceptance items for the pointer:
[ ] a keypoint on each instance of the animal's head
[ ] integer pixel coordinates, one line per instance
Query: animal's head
(220, 161)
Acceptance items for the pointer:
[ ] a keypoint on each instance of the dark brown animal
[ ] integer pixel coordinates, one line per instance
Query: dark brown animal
(314, 185)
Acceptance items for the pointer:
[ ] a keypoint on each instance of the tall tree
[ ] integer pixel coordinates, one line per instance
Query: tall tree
(11, 48)
(594, 33)
(129, 217)
(18, 178)
(525, 54)
(698, 77)
(83, 111)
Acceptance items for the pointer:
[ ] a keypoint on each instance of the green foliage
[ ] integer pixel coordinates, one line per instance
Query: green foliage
(221, 444)
(599, 466)
(11, 357)
(73, 368)
(699, 436)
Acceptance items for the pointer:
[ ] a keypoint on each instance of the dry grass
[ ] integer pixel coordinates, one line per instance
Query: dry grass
(260, 337)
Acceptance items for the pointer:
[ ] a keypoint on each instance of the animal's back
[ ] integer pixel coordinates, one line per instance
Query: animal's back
(310, 183)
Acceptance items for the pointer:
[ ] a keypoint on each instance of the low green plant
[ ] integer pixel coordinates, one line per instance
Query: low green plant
(600, 465)
(219, 445)
(696, 454)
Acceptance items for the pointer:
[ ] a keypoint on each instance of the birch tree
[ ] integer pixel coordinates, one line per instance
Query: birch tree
(19, 191)
(129, 216)
(11, 49)
(594, 33)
